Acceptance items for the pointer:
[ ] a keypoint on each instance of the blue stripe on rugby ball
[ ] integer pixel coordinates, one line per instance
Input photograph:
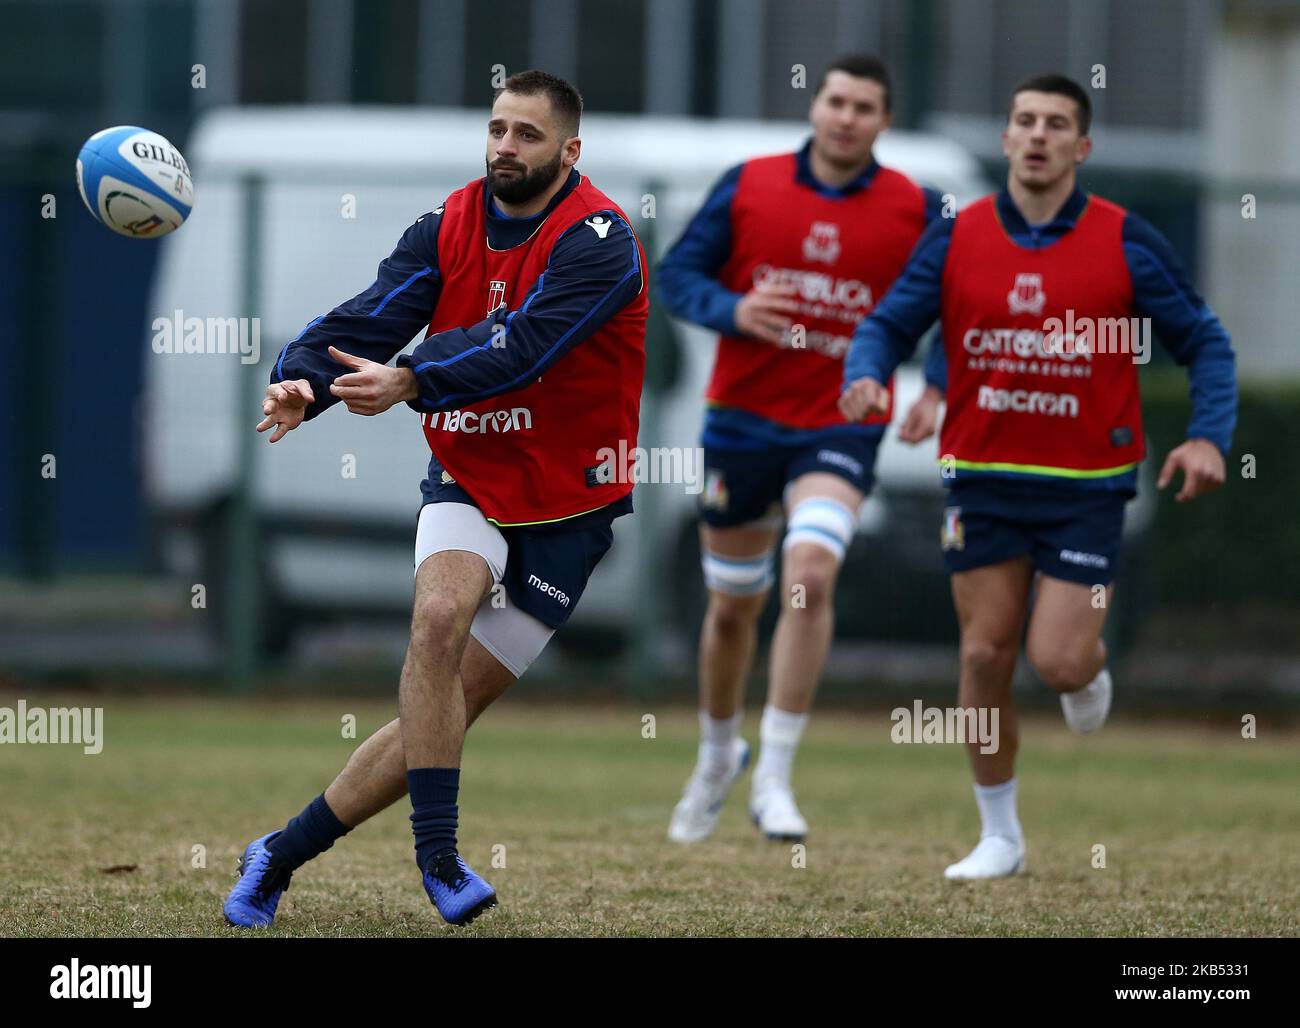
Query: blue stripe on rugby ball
(135, 182)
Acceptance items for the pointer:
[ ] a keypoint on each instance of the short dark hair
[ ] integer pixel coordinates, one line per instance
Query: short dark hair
(565, 99)
(1054, 83)
(861, 66)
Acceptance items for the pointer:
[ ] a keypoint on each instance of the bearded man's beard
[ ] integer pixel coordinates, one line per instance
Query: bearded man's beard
(524, 187)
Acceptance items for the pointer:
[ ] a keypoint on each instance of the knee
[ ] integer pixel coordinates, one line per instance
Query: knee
(1063, 672)
(439, 626)
(816, 540)
(982, 658)
(731, 616)
(810, 578)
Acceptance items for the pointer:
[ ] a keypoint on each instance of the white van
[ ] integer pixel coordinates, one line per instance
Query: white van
(337, 499)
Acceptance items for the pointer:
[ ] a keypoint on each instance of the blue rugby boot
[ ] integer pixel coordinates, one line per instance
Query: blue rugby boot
(459, 894)
(262, 881)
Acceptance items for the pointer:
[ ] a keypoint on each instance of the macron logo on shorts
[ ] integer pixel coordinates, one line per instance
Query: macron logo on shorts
(555, 592)
(841, 460)
(1087, 560)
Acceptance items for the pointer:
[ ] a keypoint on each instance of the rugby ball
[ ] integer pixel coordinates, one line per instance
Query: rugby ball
(135, 182)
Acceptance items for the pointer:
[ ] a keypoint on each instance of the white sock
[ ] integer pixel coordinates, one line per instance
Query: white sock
(997, 805)
(779, 734)
(716, 738)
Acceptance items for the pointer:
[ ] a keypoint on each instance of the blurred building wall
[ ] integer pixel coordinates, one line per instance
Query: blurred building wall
(1252, 205)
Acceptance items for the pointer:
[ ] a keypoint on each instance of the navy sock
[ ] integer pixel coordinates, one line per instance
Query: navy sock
(308, 835)
(433, 802)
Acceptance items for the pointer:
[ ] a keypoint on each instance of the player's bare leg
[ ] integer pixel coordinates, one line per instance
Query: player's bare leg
(1065, 648)
(991, 604)
(374, 777)
(809, 571)
(804, 627)
(737, 568)
(822, 516)
(449, 587)
(729, 636)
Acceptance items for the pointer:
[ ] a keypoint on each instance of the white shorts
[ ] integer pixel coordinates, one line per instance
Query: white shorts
(511, 635)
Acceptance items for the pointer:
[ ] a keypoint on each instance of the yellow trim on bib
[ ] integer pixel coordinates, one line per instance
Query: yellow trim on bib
(1042, 469)
(551, 521)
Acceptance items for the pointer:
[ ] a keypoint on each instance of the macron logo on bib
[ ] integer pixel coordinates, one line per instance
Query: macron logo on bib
(1027, 401)
(517, 419)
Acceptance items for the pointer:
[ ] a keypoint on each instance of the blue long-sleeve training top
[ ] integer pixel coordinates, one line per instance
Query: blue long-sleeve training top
(1187, 326)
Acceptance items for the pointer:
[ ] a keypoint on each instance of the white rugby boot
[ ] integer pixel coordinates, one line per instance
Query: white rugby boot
(773, 810)
(995, 857)
(697, 812)
(1085, 710)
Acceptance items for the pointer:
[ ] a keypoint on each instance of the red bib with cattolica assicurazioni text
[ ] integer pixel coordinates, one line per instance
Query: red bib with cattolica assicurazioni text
(839, 255)
(540, 452)
(1041, 349)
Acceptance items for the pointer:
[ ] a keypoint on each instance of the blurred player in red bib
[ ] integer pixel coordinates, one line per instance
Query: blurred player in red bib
(786, 256)
(1046, 297)
(531, 287)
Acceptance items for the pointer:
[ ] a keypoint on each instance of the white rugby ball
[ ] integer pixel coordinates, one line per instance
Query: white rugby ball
(135, 182)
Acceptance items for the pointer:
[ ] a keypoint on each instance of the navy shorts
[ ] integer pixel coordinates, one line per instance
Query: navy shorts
(740, 485)
(1071, 534)
(547, 565)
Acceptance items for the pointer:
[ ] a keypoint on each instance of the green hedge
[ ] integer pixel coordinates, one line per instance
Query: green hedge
(1241, 544)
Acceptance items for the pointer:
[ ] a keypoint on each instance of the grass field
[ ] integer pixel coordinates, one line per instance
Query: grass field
(1201, 829)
